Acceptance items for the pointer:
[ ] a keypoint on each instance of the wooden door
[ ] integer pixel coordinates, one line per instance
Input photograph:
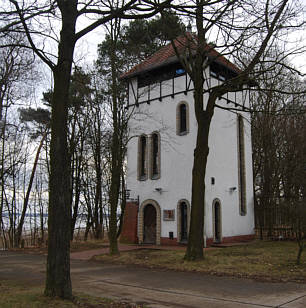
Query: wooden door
(149, 224)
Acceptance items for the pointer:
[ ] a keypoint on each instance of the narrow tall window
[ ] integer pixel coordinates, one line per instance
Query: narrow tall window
(182, 120)
(184, 222)
(142, 158)
(183, 216)
(241, 159)
(155, 156)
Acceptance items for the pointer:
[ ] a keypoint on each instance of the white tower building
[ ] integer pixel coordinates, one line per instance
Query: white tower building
(160, 154)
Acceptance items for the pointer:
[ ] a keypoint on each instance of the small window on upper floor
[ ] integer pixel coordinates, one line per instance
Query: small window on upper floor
(183, 124)
(182, 119)
(221, 72)
(142, 158)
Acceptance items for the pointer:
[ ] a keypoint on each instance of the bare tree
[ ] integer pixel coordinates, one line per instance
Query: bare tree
(41, 116)
(67, 13)
(118, 128)
(17, 71)
(123, 45)
(238, 28)
(298, 216)
(278, 131)
(97, 142)
(15, 162)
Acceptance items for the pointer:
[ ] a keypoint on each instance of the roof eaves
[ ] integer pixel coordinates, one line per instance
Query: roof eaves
(148, 68)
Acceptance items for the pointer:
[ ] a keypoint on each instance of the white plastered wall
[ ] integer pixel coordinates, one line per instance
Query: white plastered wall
(177, 160)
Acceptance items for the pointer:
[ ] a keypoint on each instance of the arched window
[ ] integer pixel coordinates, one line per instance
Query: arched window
(183, 220)
(183, 124)
(142, 158)
(155, 156)
(217, 221)
(182, 119)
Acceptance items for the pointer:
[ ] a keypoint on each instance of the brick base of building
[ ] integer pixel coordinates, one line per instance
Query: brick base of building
(232, 239)
(129, 228)
(168, 242)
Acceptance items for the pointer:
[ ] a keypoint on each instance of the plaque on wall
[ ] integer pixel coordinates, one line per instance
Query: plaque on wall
(169, 215)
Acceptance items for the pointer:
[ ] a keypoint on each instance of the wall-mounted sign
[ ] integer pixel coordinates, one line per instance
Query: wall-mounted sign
(169, 214)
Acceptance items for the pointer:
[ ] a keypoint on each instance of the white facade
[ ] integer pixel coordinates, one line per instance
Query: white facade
(176, 158)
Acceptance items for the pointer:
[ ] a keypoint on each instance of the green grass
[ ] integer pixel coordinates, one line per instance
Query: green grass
(269, 261)
(16, 295)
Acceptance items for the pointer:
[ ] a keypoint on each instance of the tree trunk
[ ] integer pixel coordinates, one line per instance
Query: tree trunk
(301, 248)
(2, 136)
(196, 239)
(114, 191)
(123, 205)
(196, 232)
(88, 225)
(203, 117)
(116, 167)
(76, 198)
(58, 282)
(98, 213)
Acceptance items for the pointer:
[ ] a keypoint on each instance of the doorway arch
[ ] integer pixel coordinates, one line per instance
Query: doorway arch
(149, 224)
(149, 227)
(217, 221)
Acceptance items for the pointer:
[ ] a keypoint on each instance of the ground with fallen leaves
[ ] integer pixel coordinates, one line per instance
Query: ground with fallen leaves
(17, 295)
(261, 260)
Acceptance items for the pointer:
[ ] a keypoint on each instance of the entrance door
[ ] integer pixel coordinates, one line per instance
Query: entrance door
(217, 224)
(184, 228)
(149, 222)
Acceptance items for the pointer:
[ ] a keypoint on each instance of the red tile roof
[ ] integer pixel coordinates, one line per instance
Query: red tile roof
(166, 55)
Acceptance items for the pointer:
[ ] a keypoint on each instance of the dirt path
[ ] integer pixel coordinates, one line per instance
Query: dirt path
(156, 288)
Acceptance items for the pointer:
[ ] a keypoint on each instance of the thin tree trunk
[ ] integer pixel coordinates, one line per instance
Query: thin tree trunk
(123, 205)
(114, 190)
(301, 248)
(88, 225)
(116, 159)
(2, 173)
(76, 202)
(26, 199)
(98, 218)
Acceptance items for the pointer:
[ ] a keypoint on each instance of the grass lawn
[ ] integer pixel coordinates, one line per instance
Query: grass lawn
(89, 244)
(13, 295)
(262, 260)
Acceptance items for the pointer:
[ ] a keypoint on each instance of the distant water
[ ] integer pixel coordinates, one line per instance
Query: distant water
(32, 221)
